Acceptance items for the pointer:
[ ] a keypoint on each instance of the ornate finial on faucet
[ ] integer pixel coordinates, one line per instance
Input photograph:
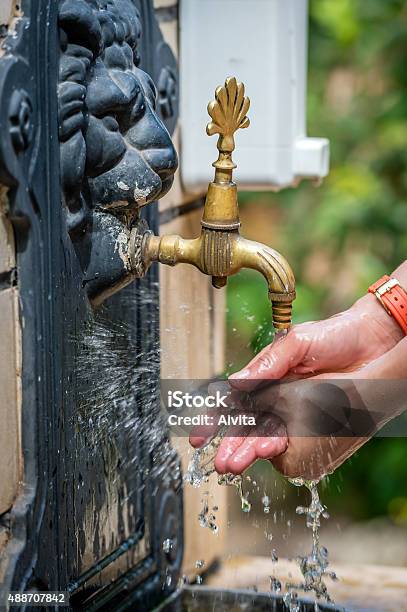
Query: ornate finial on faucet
(228, 113)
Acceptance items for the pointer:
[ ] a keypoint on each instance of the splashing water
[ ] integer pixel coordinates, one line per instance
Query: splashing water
(200, 468)
(291, 601)
(206, 517)
(202, 463)
(125, 397)
(266, 504)
(167, 545)
(280, 334)
(182, 581)
(275, 584)
(236, 481)
(114, 422)
(313, 566)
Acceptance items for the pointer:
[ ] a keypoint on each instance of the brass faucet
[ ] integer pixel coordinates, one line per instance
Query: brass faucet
(220, 250)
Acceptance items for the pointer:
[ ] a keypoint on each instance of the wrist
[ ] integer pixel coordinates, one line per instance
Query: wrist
(369, 306)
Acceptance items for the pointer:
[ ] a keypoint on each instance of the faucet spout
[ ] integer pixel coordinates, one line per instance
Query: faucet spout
(221, 254)
(277, 273)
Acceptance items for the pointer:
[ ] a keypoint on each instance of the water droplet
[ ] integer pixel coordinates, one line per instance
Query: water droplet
(167, 545)
(275, 585)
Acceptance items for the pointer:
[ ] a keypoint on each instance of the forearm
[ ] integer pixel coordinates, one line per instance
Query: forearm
(382, 384)
(390, 366)
(376, 393)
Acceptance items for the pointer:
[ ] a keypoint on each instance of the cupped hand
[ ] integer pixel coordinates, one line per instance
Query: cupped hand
(314, 425)
(267, 439)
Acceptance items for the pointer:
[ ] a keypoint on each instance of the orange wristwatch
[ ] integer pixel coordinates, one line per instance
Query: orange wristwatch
(393, 298)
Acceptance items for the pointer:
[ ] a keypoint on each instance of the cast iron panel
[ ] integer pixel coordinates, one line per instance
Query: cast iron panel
(101, 486)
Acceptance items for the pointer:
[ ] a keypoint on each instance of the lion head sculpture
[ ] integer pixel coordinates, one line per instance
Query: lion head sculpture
(116, 154)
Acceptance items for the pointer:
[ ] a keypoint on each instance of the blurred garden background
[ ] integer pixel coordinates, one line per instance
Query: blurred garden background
(343, 235)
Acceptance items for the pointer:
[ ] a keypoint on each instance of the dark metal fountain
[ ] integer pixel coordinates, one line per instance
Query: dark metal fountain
(83, 147)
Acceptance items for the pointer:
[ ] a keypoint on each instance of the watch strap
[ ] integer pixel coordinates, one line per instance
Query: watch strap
(393, 298)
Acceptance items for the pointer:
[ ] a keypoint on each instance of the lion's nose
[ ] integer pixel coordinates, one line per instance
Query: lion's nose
(163, 161)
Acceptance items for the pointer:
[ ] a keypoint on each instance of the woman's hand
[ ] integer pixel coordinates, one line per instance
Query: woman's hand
(314, 425)
(343, 343)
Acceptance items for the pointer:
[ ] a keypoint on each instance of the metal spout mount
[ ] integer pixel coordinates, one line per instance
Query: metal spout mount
(220, 250)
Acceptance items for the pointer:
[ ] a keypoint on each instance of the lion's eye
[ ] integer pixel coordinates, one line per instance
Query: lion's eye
(139, 108)
(110, 123)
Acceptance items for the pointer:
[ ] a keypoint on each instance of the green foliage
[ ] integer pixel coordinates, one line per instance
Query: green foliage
(343, 235)
(338, 18)
(372, 482)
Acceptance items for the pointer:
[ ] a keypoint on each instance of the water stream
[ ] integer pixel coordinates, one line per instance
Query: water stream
(313, 566)
(200, 468)
(109, 412)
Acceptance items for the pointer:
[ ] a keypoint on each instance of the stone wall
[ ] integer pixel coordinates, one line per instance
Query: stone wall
(10, 345)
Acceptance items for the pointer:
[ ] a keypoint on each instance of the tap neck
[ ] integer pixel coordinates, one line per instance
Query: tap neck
(221, 210)
(224, 167)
